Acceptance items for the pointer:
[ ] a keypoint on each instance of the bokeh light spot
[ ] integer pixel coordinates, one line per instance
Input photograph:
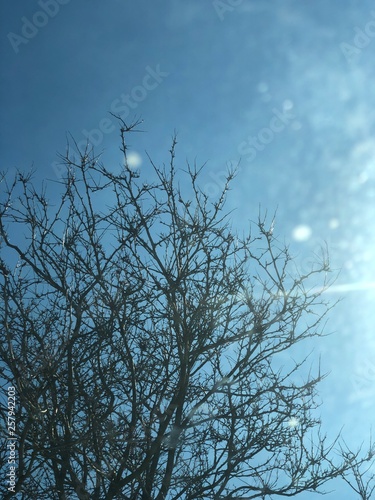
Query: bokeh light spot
(134, 160)
(302, 232)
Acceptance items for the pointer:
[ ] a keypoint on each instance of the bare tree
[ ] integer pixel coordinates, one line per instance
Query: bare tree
(360, 476)
(145, 340)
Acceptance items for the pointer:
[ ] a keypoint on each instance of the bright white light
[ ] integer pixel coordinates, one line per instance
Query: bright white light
(134, 160)
(293, 422)
(302, 232)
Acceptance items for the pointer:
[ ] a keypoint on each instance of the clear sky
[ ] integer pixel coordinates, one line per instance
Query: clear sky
(284, 86)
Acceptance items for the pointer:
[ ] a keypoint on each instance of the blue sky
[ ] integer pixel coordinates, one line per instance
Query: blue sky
(285, 87)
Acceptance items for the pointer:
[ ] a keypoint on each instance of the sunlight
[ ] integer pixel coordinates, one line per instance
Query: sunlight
(293, 422)
(350, 287)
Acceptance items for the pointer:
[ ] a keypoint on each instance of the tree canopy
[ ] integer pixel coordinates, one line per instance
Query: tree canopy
(146, 339)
